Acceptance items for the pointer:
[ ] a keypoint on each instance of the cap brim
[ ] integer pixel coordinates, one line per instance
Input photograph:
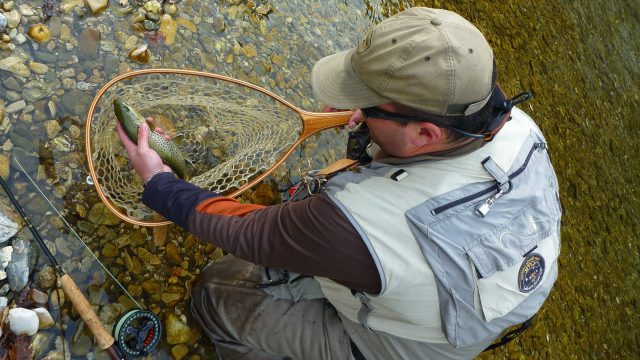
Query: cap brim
(335, 84)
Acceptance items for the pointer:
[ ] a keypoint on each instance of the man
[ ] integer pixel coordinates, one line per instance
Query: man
(447, 238)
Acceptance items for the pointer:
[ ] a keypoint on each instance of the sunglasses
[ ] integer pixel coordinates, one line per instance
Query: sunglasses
(487, 134)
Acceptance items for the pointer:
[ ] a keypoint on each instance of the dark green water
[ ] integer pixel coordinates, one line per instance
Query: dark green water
(580, 60)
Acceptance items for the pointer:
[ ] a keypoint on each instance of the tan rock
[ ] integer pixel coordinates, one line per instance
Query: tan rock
(65, 32)
(13, 18)
(184, 22)
(178, 331)
(38, 68)
(96, 6)
(179, 351)
(52, 127)
(4, 167)
(14, 64)
(130, 42)
(168, 26)
(40, 33)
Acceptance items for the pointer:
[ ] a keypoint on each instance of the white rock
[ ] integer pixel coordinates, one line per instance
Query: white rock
(5, 256)
(45, 319)
(26, 10)
(20, 39)
(3, 303)
(13, 18)
(23, 321)
(96, 6)
(8, 228)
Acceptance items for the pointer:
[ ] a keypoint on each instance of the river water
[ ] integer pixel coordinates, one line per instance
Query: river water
(577, 57)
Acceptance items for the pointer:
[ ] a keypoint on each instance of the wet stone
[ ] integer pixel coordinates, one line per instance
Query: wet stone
(89, 43)
(35, 90)
(12, 84)
(3, 22)
(179, 351)
(13, 18)
(46, 57)
(100, 214)
(75, 102)
(109, 250)
(152, 286)
(178, 331)
(173, 253)
(14, 64)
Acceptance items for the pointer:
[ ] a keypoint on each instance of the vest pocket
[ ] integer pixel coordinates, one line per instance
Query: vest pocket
(507, 257)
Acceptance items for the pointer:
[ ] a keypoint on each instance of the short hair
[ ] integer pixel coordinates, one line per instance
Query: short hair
(473, 123)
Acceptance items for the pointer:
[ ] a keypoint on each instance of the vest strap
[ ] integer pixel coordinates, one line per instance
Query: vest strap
(496, 171)
(365, 309)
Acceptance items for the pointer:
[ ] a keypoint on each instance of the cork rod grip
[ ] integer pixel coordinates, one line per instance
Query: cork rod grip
(104, 339)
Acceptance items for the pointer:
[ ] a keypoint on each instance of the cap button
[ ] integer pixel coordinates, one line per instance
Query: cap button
(436, 21)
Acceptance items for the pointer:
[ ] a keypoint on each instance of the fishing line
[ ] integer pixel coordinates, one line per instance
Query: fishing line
(74, 232)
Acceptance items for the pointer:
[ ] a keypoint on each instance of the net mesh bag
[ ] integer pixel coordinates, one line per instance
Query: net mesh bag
(229, 132)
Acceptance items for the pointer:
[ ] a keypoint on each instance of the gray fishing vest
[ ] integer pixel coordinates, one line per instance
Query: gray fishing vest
(485, 252)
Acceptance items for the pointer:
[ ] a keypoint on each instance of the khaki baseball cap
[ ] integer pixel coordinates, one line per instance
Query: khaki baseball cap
(429, 59)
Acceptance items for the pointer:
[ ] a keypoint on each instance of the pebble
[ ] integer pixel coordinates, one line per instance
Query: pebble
(47, 278)
(14, 64)
(19, 39)
(16, 106)
(38, 68)
(96, 6)
(45, 320)
(100, 214)
(8, 5)
(177, 330)
(23, 321)
(26, 10)
(40, 33)
(13, 18)
(3, 22)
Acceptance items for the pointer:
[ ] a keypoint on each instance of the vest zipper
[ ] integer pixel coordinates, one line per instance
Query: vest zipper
(488, 190)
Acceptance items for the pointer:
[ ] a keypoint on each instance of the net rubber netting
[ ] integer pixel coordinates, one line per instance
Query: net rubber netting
(228, 131)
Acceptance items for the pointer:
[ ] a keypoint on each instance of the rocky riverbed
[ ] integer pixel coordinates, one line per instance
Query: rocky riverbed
(55, 55)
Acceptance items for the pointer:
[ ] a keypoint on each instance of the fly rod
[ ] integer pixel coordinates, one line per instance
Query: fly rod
(71, 290)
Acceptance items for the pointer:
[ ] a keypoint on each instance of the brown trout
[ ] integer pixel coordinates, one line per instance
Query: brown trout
(170, 154)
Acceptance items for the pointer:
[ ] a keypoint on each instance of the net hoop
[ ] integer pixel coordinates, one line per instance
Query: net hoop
(312, 122)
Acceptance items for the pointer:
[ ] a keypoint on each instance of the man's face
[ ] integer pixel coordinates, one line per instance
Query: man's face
(391, 136)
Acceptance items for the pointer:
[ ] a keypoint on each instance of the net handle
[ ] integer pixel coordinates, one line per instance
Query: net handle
(312, 122)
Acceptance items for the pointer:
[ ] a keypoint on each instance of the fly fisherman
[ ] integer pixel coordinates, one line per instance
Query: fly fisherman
(447, 238)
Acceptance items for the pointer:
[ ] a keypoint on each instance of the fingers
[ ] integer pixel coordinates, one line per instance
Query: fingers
(356, 118)
(143, 138)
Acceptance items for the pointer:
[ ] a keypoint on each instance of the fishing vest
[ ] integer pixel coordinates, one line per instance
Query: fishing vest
(465, 247)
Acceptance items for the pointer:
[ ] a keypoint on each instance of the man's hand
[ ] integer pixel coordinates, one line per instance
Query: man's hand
(355, 119)
(144, 160)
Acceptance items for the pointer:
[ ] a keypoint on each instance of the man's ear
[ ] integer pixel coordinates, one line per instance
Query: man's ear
(427, 133)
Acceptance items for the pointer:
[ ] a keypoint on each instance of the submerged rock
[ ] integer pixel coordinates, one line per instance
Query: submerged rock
(40, 33)
(5, 258)
(8, 226)
(178, 331)
(3, 22)
(22, 261)
(96, 6)
(14, 64)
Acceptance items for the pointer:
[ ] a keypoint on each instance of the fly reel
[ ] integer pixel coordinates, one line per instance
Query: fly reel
(137, 332)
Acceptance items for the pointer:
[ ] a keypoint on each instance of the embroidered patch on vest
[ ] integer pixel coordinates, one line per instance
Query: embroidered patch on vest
(531, 272)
